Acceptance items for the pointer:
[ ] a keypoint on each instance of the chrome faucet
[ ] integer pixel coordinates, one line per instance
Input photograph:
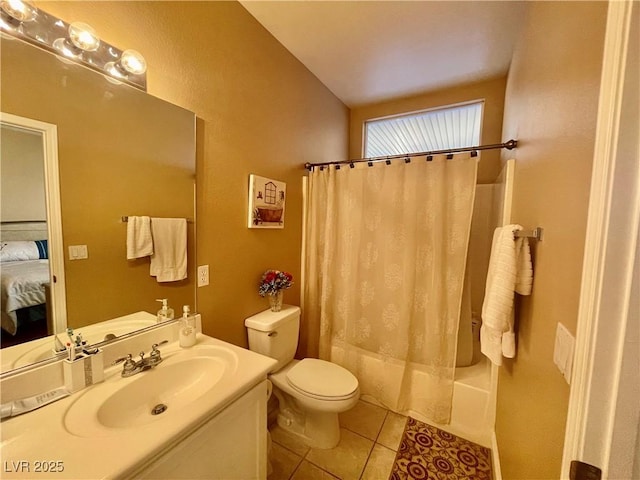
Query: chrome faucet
(131, 367)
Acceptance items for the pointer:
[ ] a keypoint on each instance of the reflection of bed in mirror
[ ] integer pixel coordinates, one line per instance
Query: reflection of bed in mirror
(25, 280)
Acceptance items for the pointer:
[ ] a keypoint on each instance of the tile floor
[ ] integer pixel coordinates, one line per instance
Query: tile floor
(369, 439)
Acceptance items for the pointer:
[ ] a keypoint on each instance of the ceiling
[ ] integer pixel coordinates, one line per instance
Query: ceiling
(369, 51)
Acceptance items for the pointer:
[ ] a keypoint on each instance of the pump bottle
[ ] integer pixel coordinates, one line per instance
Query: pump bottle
(187, 332)
(166, 312)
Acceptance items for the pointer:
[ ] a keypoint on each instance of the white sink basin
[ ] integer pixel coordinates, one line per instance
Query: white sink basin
(172, 388)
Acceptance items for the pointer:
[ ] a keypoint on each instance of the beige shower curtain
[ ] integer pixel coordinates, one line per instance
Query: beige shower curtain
(385, 259)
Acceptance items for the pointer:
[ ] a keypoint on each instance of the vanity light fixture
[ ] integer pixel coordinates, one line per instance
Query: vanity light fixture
(76, 41)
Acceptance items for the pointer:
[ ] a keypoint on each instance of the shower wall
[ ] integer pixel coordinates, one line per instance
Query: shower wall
(483, 223)
(486, 217)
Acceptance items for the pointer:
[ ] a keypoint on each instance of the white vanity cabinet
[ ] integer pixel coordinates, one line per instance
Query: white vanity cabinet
(231, 445)
(214, 426)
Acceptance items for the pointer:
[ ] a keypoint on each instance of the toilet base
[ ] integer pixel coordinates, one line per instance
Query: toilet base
(315, 429)
(315, 422)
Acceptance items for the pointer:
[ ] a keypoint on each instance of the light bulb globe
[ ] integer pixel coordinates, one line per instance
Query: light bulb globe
(19, 9)
(112, 69)
(84, 37)
(133, 62)
(66, 49)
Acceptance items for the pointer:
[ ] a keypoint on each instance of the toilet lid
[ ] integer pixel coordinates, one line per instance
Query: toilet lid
(321, 378)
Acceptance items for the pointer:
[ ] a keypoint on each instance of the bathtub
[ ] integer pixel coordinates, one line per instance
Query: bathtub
(473, 409)
(473, 405)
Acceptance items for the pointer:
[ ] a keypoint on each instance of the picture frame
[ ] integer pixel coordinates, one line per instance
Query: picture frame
(266, 202)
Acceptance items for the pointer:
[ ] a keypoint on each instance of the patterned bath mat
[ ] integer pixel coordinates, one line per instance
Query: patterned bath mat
(427, 452)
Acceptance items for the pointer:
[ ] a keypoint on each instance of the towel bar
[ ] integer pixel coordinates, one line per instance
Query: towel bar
(535, 233)
(125, 219)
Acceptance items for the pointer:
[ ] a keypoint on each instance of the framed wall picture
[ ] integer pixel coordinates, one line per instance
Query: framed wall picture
(266, 202)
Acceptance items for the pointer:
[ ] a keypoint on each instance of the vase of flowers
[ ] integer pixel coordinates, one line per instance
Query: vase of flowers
(272, 284)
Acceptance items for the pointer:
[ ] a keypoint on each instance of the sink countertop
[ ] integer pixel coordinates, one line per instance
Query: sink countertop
(40, 438)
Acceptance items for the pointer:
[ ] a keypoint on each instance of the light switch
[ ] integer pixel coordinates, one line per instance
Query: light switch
(82, 252)
(563, 351)
(78, 252)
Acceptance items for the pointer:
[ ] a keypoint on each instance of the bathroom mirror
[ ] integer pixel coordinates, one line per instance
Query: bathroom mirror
(121, 152)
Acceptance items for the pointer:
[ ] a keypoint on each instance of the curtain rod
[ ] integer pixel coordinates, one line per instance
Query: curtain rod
(15, 222)
(510, 145)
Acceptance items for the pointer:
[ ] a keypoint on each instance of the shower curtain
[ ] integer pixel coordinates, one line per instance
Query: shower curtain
(385, 259)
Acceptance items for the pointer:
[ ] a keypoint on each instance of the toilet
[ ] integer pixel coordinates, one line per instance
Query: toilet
(311, 392)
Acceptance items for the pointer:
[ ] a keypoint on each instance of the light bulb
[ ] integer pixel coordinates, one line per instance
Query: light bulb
(111, 79)
(8, 27)
(65, 48)
(133, 62)
(83, 36)
(112, 69)
(19, 9)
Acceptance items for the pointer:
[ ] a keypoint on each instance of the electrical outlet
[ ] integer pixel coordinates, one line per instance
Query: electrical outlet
(203, 275)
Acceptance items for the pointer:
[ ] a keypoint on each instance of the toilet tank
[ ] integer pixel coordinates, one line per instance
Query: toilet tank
(275, 334)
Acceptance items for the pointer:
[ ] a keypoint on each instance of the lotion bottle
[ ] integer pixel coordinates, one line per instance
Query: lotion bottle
(187, 332)
(166, 312)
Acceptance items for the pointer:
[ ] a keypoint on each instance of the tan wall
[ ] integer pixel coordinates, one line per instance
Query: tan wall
(492, 91)
(551, 107)
(260, 111)
(22, 167)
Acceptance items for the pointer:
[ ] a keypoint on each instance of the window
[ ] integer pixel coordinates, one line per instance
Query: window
(270, 193)
(438, 129)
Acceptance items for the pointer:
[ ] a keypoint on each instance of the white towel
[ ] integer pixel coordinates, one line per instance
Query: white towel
(139, 241)
(169, 260)
(510, 271)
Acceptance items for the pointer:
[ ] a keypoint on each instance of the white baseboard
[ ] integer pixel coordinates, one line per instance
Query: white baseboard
(495, 456)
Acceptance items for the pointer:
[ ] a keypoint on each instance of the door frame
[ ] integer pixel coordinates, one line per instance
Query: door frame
(610, 254)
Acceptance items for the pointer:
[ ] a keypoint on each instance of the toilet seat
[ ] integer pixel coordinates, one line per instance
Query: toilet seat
(322, 380)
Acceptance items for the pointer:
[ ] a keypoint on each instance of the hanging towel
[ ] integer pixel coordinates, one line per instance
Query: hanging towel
(510, 271)
(169, 260)
(139, 241)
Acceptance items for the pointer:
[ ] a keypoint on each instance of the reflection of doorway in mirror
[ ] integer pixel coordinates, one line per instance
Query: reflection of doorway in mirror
(33, 299)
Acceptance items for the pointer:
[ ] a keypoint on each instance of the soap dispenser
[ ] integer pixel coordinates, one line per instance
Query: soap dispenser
(187, 333)
(166, 312)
